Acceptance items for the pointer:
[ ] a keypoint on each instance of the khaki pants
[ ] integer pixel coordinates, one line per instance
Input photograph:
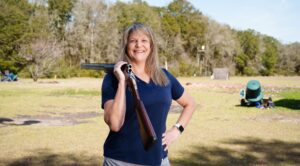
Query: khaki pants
(112, 162)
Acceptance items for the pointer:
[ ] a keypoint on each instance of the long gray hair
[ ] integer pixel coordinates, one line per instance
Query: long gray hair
(152, 62)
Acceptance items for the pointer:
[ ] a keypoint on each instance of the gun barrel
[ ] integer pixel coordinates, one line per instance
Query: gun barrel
(107, 67)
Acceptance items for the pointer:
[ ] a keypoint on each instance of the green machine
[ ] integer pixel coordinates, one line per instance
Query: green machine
(253, 95)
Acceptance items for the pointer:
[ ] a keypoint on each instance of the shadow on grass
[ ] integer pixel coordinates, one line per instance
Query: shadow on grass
(46, 158)
(4, 120)
(247, 151)
(288, 103)
(10, 122)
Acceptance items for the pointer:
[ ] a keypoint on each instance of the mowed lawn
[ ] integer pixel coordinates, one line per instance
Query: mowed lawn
(60, 122)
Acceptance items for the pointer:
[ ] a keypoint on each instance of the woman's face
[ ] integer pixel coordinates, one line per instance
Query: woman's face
(138, 47)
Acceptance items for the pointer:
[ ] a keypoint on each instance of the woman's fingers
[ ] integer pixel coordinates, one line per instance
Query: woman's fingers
(166, 148)
(169, 137)
(118, 65)
(118, 72)
(165, 141)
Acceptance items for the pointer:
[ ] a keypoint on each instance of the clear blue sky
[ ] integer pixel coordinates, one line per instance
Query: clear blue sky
(277, 18)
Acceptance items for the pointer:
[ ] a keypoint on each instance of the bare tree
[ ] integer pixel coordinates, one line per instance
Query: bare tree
(109, 38)
(42, 54)
(220, 46)
(289, 59)
(92, 35)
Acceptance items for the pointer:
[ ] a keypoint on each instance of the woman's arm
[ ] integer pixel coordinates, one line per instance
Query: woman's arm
(189, 106)
(114, 110)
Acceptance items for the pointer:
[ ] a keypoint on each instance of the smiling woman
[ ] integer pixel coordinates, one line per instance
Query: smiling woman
(157, 88)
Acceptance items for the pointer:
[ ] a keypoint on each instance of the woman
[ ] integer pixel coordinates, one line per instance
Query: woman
(157, 87)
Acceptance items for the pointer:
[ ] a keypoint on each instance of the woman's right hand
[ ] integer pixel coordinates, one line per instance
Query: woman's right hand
(118, 72)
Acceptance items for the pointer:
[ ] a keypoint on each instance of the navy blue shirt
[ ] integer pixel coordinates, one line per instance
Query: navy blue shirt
(126, 144)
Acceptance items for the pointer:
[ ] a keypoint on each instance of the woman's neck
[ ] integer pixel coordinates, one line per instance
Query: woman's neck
(139, 69)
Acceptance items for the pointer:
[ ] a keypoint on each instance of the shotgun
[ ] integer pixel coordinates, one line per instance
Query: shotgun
(147, 132)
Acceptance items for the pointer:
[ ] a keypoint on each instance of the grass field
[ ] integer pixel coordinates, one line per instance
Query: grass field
(60, 122)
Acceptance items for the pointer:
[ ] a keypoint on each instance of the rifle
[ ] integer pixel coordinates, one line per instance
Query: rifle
(146, 129)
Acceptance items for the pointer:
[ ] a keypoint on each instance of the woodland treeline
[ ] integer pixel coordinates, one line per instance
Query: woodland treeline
(43, 38)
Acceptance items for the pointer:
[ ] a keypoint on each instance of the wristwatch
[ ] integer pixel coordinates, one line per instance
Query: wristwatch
(179, 127)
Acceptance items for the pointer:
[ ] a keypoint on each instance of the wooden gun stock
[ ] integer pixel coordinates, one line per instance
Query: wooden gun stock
(147, 132)
(146, 129)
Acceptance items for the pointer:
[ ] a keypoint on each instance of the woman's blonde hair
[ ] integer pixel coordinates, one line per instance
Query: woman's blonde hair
(152, 63)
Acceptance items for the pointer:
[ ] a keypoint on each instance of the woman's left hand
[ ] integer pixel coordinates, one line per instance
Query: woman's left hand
(169, 137)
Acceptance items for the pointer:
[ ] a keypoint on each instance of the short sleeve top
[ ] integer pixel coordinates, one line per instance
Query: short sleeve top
(126, 145)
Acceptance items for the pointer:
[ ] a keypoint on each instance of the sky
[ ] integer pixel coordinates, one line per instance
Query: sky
(277, 18)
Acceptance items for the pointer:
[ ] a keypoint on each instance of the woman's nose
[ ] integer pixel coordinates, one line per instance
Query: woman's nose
(137, 44)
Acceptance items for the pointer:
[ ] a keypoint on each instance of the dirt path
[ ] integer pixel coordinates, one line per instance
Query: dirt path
(50, 119)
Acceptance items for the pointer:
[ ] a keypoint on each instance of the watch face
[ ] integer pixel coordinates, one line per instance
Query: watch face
(179, 127)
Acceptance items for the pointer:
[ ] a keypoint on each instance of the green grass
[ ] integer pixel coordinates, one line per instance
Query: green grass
(16, 92)
(291, 94)
(75, 92)
(220, 133)
(290, 99)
